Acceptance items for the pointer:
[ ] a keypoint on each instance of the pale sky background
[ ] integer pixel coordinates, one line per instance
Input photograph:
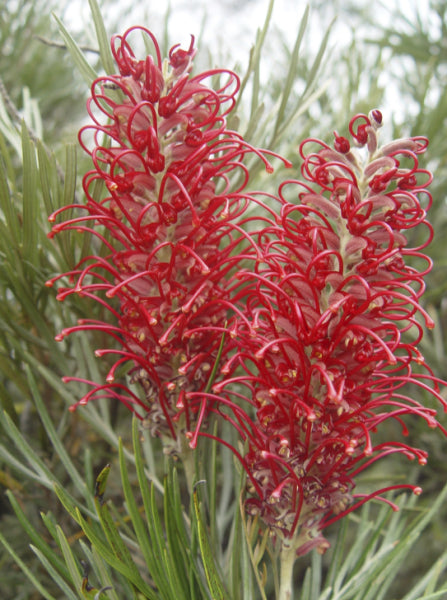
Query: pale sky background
(231, 25)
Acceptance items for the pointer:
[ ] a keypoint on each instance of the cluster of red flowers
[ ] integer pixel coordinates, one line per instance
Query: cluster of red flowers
(167, 228)
(335, 307)
(302, 334)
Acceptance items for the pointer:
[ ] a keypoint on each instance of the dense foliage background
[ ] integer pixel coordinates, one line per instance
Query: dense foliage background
(295, 86)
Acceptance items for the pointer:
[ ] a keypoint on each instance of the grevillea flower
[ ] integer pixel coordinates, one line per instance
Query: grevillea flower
(164, 233)
(334, 321)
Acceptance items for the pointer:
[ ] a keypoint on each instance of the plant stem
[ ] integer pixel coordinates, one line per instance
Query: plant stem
(188, 460)
(287, 560)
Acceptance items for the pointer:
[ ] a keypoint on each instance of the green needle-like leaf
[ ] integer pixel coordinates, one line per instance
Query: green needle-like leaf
(291, 75)
(137, 521)
(103, 39)
(36, 537)
(70, 561)
(39, 470)
(30, 199)
(68, 592)
(119, 549)
(216, 586)
(85, 69)
(7, 208)
(36, 583)
(55, 439)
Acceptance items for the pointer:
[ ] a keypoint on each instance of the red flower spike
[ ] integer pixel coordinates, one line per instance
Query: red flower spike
(330, 301)
(159, 142)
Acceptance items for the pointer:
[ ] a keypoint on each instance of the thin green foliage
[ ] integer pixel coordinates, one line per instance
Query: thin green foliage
(255, 58)
(28, 573)
(369, 567)
(428, 584)
(70, 560)
(211, 572)
(36, 539)
(10, 226)
(291, 75)
(56, 441)
(55, 576)
(171, 562)
(85, 69)
(30, 202)
(103, 38)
